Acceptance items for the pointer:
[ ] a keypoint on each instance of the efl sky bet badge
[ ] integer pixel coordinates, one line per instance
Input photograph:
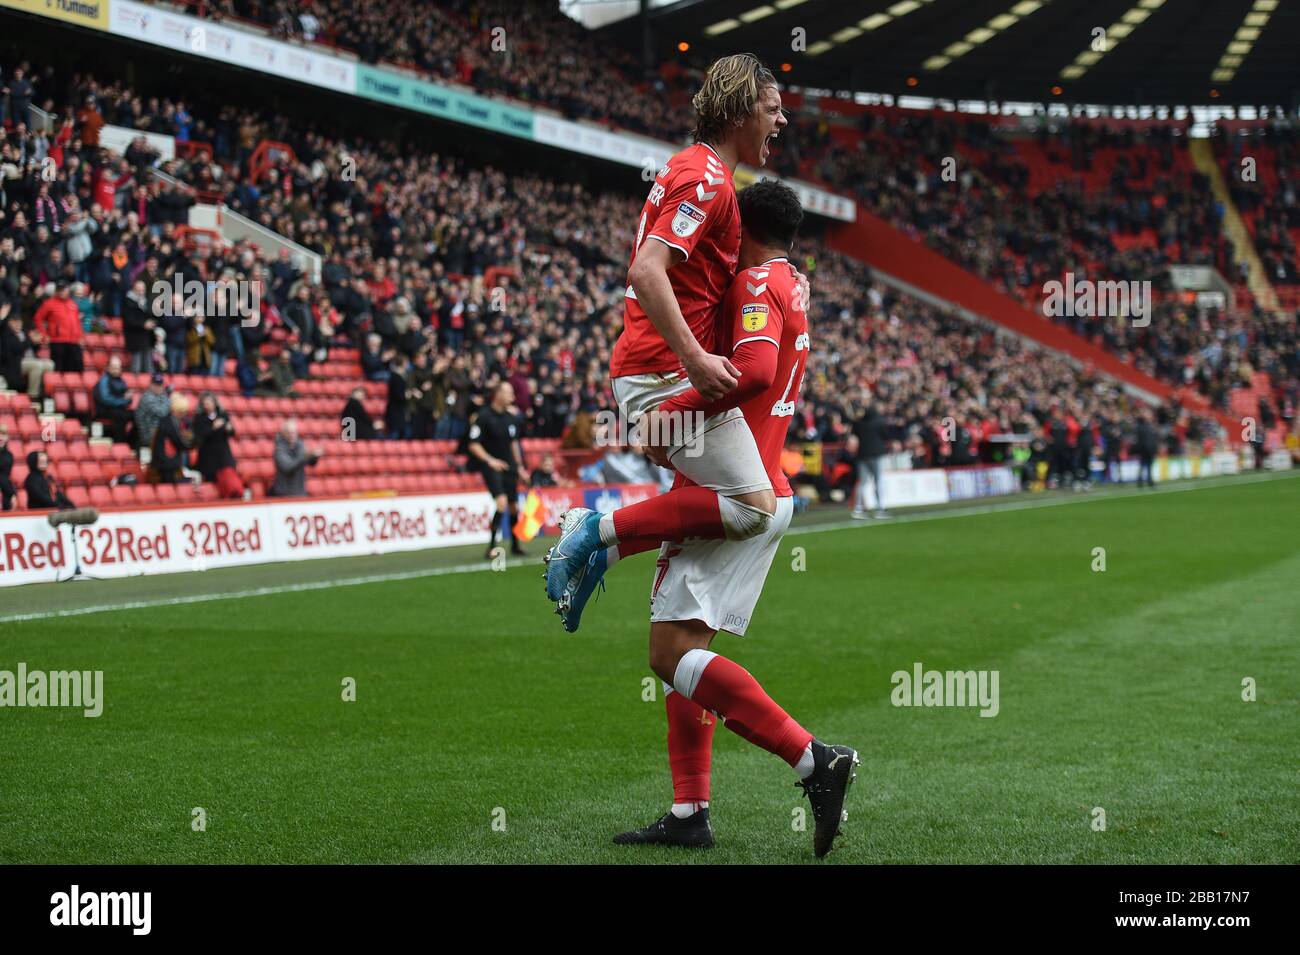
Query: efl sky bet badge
(753, 317)
(686, 220)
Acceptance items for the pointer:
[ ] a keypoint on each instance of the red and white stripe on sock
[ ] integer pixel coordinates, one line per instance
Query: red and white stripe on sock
(723, 686)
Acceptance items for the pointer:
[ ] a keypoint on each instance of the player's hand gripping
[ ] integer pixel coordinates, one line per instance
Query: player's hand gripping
(805, 288)
(653, 431)
(712, 375)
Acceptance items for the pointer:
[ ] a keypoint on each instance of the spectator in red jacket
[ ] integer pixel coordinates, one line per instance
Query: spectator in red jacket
(59, 321)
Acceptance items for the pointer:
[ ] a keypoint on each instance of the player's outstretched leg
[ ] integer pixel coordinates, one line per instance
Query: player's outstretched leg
(584, 583)
(581, 586)
(579, 539)
(690, 754)
(683, 512)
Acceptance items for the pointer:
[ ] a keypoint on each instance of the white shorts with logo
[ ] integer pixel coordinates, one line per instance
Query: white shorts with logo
(720, 455)
(717, 581)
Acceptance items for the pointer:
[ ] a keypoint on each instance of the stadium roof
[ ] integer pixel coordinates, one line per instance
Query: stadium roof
(1170, 52)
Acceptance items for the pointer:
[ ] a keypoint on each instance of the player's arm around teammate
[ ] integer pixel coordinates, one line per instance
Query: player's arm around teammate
(692, 213)
(703, 586)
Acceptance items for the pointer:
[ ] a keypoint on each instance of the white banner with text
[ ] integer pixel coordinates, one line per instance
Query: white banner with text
(131, 543)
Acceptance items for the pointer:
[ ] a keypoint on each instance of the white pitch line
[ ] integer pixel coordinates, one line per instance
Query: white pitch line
(1192, 485)
(1187, 484)
(257, 591)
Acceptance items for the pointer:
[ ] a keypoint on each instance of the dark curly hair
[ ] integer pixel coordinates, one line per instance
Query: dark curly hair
(771, 212)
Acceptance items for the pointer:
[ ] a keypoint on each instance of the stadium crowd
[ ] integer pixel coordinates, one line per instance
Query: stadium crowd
(448, 278)
(1268, 197)
(528, 51)
(1150, 211)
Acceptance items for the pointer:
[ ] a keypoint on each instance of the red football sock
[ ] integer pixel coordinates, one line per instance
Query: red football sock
(690, 747)
(728, 689)
(637, 545)
(683, 512)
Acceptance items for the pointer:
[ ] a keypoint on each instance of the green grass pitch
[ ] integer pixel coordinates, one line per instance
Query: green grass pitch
(1119, 690)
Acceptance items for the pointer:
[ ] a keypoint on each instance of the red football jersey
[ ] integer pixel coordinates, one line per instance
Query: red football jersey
(763, 310)
(692, 208)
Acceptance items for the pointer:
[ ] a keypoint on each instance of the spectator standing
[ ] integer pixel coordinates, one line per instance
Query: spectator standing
(291, 461)
(213, 430)
(199, 344)
(219, 326)
(137, 326)
(77, 243)
(1062, 463)
(457, 386)
(1083, 457)
(1146, 441)
(1110, 441)
(7, 490)
(171, 441)
(298, 317)
(871, 434)
(153, 406)
(20, 92)
(401, 399)
(355, 420)
(426, 387)
(375, 359)
(21, 366)
(175, 325)
(59, 320)
(90, 121)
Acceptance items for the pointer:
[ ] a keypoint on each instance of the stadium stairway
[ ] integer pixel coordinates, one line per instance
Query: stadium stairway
(1234, 227)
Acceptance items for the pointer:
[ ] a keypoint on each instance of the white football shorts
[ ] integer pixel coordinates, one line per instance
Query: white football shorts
(720, 454)
(717, 581)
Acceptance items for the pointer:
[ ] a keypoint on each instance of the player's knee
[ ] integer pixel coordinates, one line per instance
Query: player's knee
(743, 521)
(501, 502)
(664, 660)
(764, 500)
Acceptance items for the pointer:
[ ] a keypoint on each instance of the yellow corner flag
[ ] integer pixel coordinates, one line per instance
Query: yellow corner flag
(531, 517)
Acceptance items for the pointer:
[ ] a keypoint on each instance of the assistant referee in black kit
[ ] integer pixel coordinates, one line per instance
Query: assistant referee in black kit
(494, 444)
